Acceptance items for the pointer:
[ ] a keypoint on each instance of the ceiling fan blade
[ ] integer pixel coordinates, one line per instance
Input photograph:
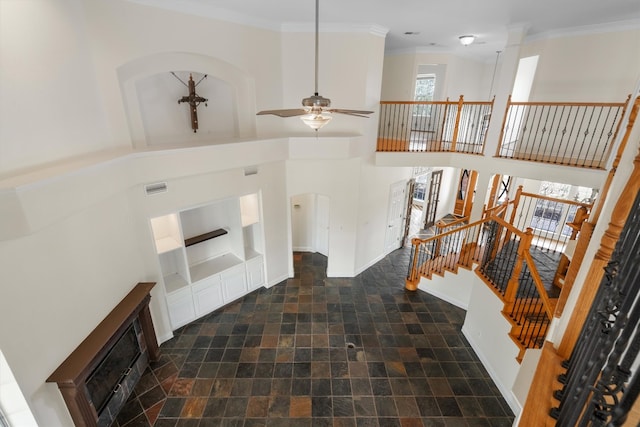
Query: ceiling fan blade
(284, 113)
(358, 113)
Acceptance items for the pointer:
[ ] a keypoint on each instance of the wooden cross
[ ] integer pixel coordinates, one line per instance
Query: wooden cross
(193, 99)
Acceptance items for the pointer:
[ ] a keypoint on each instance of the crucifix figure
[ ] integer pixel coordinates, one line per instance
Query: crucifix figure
(193, 99)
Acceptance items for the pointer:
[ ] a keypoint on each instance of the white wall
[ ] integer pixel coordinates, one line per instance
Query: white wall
(457, 76)
(168, 122)
(78, 261)
(353, 86)
(487, 330)
(598, 67)
(372, 205)
(65, 279)
(49, 106)
(338, 180)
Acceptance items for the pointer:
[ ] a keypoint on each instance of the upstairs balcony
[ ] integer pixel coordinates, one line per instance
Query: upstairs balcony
(561, 133)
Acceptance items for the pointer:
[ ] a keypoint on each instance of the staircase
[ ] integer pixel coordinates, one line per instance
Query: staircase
(501, 256)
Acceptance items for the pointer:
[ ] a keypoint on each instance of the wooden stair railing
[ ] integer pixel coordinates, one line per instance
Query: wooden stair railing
(529, 311)
(458, 247)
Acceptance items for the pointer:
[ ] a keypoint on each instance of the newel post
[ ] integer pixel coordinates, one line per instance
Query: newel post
(411, 284)
(504, 124)
(444, 121)
(454, 139)
(512, 286)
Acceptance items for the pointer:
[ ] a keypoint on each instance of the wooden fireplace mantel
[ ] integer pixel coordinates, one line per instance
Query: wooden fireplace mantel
(74, 371)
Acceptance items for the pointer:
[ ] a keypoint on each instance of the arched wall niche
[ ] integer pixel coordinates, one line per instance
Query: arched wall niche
(147, 85)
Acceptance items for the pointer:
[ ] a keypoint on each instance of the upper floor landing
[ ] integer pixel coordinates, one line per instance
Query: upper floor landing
(579, 138)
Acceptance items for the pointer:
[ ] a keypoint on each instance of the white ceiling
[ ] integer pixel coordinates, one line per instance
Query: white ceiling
(438, 22)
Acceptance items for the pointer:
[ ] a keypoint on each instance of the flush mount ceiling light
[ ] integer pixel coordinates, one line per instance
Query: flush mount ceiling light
(466, 40)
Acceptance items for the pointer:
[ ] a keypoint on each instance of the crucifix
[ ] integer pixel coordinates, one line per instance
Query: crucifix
(193, 99)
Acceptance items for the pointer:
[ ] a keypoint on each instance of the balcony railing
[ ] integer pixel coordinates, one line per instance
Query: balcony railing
(452, 126)
(564, 133)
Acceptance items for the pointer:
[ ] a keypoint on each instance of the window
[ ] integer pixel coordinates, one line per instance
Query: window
(425, 87)
(548, 214)
(420, 189)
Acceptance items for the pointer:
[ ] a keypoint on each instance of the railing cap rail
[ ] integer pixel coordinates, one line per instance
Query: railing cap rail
(555, 199)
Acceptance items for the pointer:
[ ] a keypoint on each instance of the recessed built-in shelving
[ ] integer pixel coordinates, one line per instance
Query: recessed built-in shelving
(221, 261)
(213, 266)
(174, 282)
(204, 237)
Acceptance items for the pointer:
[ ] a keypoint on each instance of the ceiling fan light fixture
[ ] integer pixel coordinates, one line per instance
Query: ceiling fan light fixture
(466, 40)
(316, 120)
(316, 109)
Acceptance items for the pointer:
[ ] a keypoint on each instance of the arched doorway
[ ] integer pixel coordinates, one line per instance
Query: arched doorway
(310, 223)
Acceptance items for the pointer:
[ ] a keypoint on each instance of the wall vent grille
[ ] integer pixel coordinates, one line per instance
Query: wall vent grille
(250, 170)
(158, 187)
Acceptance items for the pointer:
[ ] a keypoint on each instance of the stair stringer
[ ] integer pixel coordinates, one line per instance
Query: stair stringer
(454, 288)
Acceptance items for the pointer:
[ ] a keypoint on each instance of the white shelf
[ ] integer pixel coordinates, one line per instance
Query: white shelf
(250, 253)
(174, 282)
(213, 266)
(167, 244)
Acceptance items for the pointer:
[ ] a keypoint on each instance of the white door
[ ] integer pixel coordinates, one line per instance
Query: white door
(395, 219)
(322, 225)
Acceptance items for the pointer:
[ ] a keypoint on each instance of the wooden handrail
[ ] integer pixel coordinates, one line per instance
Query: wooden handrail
(498, 209)
(447, 102)
(441, 224)
(514, 281)
(546, 301)
(571, 104)
(418, 241)
(555, 199)
(508, 226)
(418, 102)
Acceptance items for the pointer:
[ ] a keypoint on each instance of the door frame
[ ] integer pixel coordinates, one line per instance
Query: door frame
(465, 192)
(408, 210)
(394, 216)
(436, 180)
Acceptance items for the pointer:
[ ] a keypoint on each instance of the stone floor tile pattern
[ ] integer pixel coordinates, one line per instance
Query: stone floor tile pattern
(314, 351)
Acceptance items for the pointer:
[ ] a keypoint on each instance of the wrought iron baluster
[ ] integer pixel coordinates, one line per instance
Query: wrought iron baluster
(608, 345)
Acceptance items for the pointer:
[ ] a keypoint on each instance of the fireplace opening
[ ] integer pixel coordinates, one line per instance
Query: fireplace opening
(116, 365)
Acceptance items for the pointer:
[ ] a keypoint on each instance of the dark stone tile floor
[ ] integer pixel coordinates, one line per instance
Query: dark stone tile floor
(314, 351)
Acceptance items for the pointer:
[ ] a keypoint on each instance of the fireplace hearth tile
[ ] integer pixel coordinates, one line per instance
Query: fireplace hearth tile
(153, 412)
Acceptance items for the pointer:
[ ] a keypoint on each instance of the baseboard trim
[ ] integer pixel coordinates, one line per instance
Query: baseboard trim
(277, 280)
(165, 337)
(370, 264)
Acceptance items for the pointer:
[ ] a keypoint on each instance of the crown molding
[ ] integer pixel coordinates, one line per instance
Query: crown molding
(610, 27)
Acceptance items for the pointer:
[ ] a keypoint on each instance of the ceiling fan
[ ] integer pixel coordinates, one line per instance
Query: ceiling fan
(316, 112)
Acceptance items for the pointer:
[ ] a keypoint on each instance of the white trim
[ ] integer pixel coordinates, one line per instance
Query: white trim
(370, 263)
(308, 27)
(610, 27)
(303, 249)
(165, 337)
(277, 281)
